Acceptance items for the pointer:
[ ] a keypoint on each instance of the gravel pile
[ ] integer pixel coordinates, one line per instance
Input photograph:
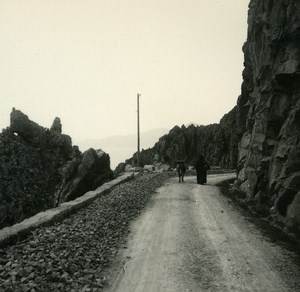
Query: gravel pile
(72, 255)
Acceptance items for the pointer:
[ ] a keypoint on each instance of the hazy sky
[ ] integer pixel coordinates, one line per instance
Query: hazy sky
(84, 61)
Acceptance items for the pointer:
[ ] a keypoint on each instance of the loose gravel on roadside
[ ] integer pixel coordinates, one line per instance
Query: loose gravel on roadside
(72, 255)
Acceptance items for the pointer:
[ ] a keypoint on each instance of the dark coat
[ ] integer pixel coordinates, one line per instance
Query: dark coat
(201, 167)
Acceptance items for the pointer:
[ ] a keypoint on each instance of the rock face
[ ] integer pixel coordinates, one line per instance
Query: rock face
(218, 143)
(84, 173)
(56, 126)
(231, 136)
(38, 136)
(269, 111)
(262, 134)
(36, 162)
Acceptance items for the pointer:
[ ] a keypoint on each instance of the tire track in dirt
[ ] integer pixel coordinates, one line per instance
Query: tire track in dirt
(190, 238)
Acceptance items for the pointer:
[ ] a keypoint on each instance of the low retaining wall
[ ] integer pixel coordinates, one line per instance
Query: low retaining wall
(11, 234)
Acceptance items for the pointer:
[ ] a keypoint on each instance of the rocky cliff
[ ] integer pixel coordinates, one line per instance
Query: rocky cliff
(261, 136)
(217, 142)
(269, 111)
(39, 168)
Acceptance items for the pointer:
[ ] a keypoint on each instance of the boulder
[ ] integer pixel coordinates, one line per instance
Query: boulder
(120, 168)
(149, 168)
(129, 168)
(161, 167)
(83, 174)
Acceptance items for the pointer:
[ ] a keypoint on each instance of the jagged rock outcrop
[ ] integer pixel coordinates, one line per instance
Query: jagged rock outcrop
(28, 130)
(33, 163)
(269, 111)
(84, 173)
(56, 126)
(231, 137)
(39, 136)
(218, 143)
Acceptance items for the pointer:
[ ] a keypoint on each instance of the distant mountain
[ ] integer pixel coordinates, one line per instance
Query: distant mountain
(120, 147)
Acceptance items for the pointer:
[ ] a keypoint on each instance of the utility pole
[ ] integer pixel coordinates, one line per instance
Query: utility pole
(138, 130)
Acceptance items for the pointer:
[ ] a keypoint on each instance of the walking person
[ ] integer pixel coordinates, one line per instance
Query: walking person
(181, 169)
(201, 167)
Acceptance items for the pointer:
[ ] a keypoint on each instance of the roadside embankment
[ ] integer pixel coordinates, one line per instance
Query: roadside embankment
(11, 234)
(262, 220)
(72, 254)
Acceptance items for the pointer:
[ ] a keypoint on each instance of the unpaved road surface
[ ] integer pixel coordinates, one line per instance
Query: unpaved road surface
(191, 238)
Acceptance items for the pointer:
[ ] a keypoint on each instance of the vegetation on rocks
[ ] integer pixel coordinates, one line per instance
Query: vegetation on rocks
(28, 175)
(39, 169)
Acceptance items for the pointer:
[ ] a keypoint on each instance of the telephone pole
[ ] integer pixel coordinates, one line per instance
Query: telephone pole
(138, 130)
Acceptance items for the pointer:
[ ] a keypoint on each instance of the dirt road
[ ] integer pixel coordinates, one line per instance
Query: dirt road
(191, 238)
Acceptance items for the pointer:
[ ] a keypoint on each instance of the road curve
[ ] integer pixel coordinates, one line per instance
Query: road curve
(190, 238)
